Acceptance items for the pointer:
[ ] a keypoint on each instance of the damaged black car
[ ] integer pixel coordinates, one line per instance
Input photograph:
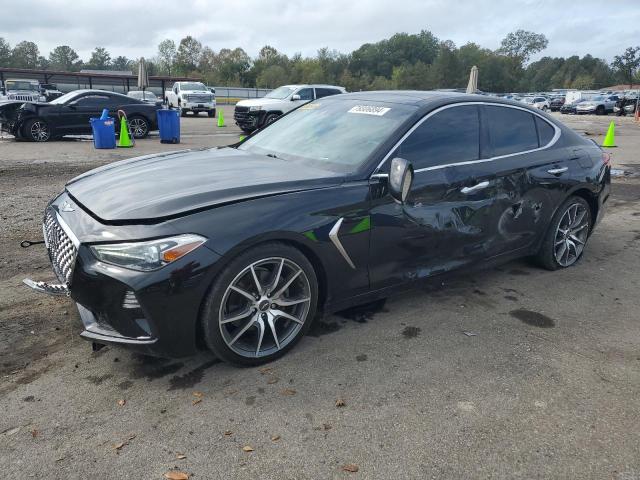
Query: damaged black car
(70, 114)
(343, 201)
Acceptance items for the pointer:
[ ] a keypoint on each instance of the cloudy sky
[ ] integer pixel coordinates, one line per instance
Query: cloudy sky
(134, 29)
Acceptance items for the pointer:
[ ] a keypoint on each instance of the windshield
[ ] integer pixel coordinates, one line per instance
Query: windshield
(336, 135)
(192, 86)
(280, 93)
(64, 98)
(18, 85)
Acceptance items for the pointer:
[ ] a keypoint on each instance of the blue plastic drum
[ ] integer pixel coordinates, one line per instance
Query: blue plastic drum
(169, 126)
(104, 133)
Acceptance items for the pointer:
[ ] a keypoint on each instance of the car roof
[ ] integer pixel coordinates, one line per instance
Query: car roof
(314, 85)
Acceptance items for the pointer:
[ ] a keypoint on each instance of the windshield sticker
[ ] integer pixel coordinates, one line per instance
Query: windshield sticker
(309, 106)
(369, 110)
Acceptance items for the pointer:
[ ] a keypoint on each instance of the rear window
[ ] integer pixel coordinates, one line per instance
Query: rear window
(545, 131)
(325, 92)
(511, 130)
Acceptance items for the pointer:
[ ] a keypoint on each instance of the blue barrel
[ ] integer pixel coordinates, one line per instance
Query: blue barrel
(169, 126)
(104, 132)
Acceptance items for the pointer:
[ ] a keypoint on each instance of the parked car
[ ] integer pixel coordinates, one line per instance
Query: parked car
(600, 105)
(252, 114)
(22, 90)
(570, 107)
(70, 114)
(50, 91)
(628, 104)
(145, 96)
(540, 103)
(342, 201)
(191, 97)
(556, 103)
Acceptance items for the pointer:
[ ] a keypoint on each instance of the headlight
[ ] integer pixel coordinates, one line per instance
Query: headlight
(255, 108)
(150, 255)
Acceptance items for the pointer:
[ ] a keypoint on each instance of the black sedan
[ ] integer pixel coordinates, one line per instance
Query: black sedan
(70, 114)
(340, 202)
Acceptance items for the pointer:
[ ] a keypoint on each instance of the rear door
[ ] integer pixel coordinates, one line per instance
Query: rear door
(534, 174)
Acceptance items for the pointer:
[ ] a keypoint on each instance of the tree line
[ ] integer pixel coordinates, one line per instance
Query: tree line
(403, 61)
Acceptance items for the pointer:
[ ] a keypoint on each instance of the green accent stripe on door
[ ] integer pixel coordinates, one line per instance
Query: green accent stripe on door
(362, 226)
(311, 235)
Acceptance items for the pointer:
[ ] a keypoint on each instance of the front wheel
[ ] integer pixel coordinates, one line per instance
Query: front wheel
(261, 305)
(37, 130)
(567, 236)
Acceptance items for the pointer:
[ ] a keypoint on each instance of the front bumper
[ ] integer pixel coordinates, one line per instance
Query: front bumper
(153, 312)
(198, 107)
(249, 120)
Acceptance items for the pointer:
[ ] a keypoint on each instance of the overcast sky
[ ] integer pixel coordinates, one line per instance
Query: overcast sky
(133, 29)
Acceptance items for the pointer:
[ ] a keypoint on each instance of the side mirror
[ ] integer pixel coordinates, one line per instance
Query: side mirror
(400, 179)
(295, 97)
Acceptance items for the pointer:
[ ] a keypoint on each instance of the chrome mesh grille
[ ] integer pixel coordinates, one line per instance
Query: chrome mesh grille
(62, 251)
(199, 98)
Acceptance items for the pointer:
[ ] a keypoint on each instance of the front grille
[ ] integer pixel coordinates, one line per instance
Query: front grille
(241, 114)
(199, 98)
(62, 251)
(23, 98)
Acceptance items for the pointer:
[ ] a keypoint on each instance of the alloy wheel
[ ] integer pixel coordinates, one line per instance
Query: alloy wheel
(39, 131)
(138, 127)
(265, 307)
(571, 235)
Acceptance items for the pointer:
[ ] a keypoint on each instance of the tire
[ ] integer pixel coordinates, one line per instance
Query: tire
(211, 113)
(36, 130)
(272, 117)
(139, 126)
(544, 108)
(238, 341)
(183, 113)
(551, 246)
(600, 110)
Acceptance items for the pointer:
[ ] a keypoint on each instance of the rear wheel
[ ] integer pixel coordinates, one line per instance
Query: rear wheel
(37, 130)
(139, 127)
(260, 305)
(567, 236)
(600, 110)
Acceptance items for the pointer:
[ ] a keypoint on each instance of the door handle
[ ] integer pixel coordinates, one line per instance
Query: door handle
(475, 188)
(557, 171)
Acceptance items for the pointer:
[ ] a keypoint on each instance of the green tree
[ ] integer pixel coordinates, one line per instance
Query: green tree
(63, 58)
(272, 77)
(167, 56)
(627, 64)
(121, 63)
(188, 55)
(522, 44)
(5, 53)
(25, 55)
(100, 59)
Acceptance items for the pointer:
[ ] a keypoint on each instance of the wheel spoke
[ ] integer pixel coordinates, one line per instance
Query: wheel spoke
(237, 317)
(257, 282)
(260, 325)
(561, 251)
(581, 227)
(250, 323)
(272, 326)
(278, 273)
(286, 285)
(244, 293)
(575, 239)
(283, 302)
(280, 313)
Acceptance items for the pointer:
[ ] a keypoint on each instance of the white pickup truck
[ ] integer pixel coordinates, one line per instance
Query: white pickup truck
(191, 97)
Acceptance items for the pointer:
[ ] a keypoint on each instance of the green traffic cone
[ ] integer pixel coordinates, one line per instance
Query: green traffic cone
(125, 139)
(220, 118)
(242, 137)
(610, 139)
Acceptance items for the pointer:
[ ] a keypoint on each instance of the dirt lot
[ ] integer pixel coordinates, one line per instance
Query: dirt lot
(548, 387)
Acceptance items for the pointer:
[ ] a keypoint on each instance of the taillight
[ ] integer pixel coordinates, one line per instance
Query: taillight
(606, 158)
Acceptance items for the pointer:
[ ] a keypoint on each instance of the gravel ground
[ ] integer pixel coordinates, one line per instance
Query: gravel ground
(547, 385)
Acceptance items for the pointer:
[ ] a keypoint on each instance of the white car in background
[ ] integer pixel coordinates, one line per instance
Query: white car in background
(540, 103)
(252, 114)
(145, 96)
(600, 105)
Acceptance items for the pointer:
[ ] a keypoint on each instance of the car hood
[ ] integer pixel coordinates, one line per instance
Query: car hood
(196, 92)
(259, 102)
(156, 187)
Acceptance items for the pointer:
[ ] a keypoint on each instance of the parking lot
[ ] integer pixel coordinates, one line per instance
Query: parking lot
(510, 372)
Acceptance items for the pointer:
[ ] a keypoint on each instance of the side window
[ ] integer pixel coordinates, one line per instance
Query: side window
(325, 92)
(545, 131)
(511, 130)
(305, 93)
(92, 101)
(449, 136)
